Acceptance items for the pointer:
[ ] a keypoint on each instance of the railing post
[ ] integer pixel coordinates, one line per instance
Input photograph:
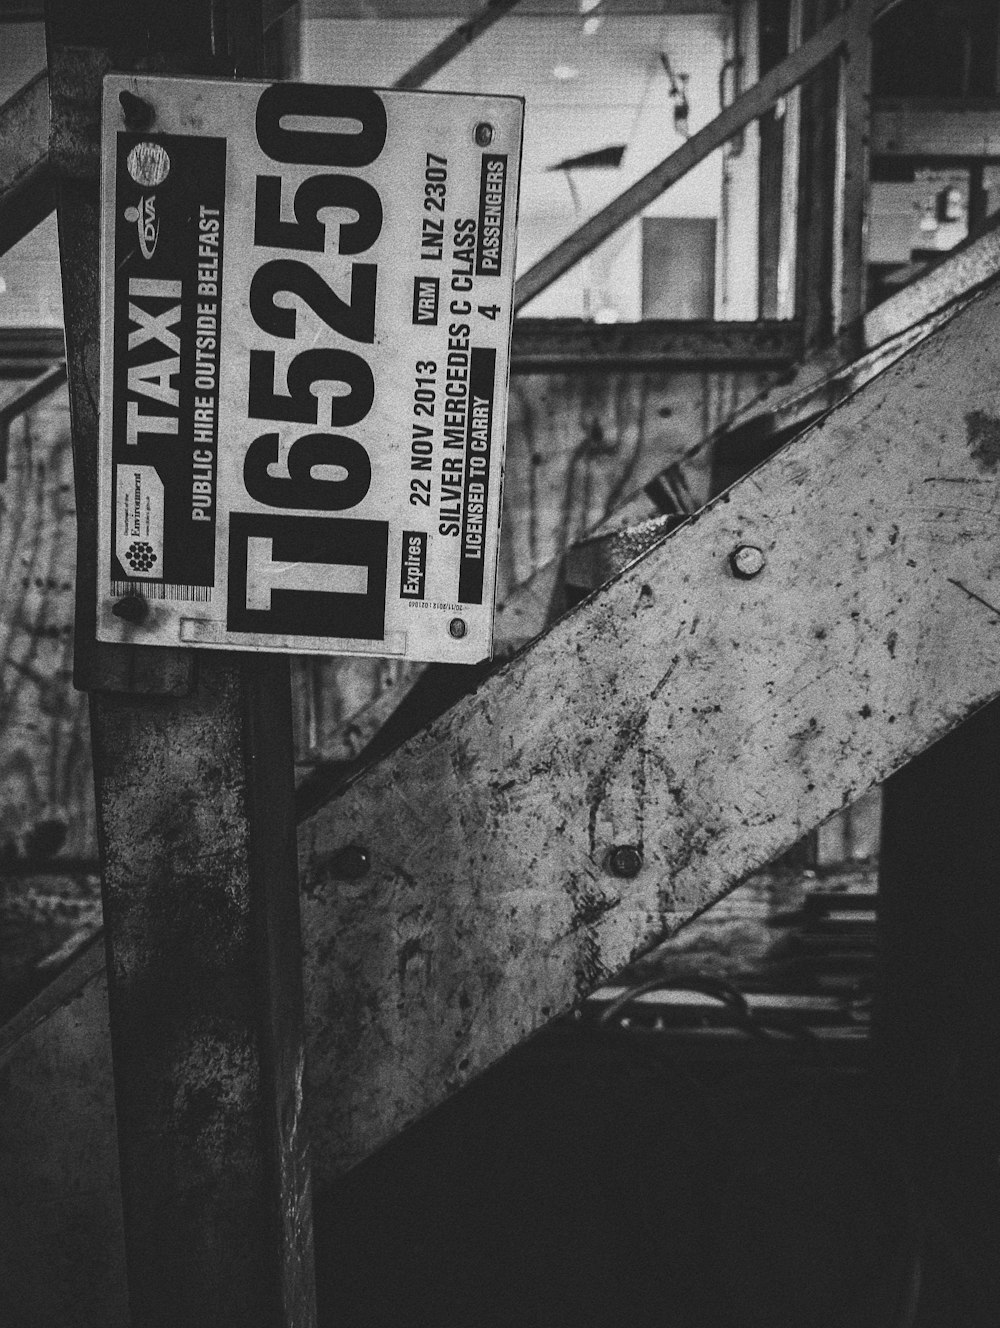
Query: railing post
(833, 183)
(785, 307)
(851, 188)
(194, 803)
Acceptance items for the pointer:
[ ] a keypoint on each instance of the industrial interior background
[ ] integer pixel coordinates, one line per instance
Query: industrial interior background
(787, 1113)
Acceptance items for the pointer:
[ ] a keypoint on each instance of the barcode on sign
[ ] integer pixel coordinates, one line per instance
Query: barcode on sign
(157, 590)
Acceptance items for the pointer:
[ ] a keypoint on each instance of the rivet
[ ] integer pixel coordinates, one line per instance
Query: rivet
(350, 863)
(625, 860)
(457, 628)
(747, 561)
(484, 134)
(138, 113)
(132, 608)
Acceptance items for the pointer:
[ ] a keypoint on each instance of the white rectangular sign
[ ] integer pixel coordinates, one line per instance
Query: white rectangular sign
(307, 303)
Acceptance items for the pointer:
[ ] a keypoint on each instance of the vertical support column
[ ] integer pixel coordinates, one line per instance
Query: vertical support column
(817, 184)
(851, 188)
(787, 242)
(833, 182)
(193, 778)
(780, 34)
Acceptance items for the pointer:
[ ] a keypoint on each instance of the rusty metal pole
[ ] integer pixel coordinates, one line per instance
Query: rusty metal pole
(194, 803)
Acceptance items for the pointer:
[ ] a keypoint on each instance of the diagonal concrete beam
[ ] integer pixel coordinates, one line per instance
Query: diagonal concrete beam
(659, 743)
(890, 330)
(672, 734)
(963, 269)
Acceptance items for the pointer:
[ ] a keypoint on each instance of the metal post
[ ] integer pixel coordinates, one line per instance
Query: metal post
(194, 803)
(851, 188)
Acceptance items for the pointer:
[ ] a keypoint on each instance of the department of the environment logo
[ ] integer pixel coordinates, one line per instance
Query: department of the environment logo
(140, 556)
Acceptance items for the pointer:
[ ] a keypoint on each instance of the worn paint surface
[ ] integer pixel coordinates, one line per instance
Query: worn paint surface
(201, 1032)
(822, 379)
(196, 835)
(706, 720)
(576, 444)
(632, 528)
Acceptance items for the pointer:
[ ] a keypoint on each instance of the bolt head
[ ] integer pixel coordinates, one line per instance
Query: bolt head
(138, 114)
(484, 134)
(625, 860)
(457, 628)
(132, 609)
(747, 561)
(351, 863)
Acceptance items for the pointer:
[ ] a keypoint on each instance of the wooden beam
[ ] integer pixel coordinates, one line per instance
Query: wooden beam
(26, 191)
(559, 345)
(454, 44)
(736, 116)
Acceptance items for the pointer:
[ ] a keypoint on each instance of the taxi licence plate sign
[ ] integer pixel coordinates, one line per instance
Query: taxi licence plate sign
(307, 302)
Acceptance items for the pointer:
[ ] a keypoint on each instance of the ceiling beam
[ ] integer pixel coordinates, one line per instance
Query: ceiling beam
(560, 345)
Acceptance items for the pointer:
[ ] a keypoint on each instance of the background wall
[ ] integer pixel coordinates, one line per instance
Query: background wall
(584, 91)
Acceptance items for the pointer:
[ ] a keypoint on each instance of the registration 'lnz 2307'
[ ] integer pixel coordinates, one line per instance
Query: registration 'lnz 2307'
(307, 301)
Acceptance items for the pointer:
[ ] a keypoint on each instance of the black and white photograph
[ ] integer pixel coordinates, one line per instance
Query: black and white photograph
(499, 663)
